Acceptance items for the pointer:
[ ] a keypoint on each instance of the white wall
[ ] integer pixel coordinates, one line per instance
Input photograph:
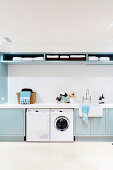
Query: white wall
(48, 81)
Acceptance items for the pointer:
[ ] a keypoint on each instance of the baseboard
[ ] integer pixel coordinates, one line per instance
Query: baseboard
(94, 138)
(12, 138)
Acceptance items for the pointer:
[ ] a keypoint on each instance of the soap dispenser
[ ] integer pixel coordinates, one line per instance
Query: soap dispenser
(103, 99)
(100, 100)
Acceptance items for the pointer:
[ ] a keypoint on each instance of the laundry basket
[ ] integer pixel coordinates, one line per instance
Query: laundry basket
(32, 98)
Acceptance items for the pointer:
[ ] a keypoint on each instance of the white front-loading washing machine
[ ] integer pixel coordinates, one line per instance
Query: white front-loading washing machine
(61, 125)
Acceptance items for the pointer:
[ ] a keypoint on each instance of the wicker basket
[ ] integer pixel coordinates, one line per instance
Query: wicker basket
(32, 98)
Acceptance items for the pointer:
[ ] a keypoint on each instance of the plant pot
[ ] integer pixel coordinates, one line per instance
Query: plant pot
(63, 99)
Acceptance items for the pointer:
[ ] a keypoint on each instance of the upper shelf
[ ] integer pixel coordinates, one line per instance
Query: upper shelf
(58, 58)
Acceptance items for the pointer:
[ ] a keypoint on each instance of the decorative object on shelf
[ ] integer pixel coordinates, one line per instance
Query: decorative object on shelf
(64, 96)
(59, 99)
(72, 97)
(26, 96)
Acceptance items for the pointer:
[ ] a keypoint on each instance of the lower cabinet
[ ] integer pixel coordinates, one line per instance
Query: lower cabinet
(100, 126)
(81, 128)
(12, 124)
(109, 122)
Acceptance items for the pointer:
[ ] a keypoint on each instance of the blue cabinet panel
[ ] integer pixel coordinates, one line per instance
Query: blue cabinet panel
(109, 121)
(81, 128)
(12, 122)
(3, 82)
(98, 126)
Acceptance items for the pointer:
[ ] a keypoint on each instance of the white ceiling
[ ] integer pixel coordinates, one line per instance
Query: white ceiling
(57, 21)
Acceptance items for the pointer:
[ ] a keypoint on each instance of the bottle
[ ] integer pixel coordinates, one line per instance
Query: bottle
(100, 100)
(103, 99)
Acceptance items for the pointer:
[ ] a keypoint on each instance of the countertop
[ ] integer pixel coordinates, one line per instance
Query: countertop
(53, 105)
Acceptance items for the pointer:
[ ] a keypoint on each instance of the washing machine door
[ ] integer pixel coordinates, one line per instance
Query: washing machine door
(62, 123)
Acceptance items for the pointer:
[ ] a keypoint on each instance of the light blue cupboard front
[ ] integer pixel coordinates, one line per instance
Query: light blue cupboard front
(98, 126)
(101, 126)
(12, 123)
(80, 128)
(109, 122)
(3, 82)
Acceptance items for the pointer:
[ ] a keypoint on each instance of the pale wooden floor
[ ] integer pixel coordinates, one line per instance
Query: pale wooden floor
(56, 156)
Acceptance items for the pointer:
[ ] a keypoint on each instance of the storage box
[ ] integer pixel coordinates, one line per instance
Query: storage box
(32, 98)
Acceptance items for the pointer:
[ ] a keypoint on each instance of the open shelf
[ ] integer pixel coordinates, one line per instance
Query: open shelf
(56, 58)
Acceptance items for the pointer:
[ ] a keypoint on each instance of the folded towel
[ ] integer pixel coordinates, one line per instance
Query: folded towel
(52, 56)
(85, 112)
(104, 58)
(25, 97)
(38, 58)
(17, 58)
(93, 58)
(27, 59)
(77, 56)
(64, 56)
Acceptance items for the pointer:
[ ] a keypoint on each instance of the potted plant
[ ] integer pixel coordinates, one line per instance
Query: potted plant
(59, 99)
(63, 95)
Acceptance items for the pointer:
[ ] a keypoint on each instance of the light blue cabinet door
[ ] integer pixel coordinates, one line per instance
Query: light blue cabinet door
(109, 121)
(12, 122)
(80, 127)
(98, 125)
(3, 82)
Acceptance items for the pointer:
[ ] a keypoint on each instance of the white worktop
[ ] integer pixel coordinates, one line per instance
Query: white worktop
(52, 105)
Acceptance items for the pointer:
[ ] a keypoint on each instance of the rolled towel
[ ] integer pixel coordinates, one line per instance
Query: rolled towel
(52, 56)
(27, 59)
(17, 58)
(77, 56)
(38, 58)
(93, 58)
(64, 56)
(104, 58)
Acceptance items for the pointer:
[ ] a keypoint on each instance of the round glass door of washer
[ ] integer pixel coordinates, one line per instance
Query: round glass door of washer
(62, 123)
